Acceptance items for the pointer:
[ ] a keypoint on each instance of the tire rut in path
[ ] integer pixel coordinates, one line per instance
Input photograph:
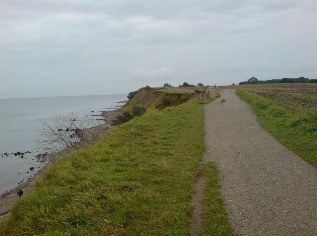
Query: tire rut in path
(267, 189)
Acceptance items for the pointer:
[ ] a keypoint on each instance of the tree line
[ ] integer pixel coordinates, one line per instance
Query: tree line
(254, 80)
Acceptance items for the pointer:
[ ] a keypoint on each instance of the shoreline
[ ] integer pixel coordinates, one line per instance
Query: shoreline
(10, 197)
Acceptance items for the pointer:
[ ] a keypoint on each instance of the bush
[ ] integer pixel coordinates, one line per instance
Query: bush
(124, 117)
(127, 116)
(166, 101)
(138, 111)
(132, 94)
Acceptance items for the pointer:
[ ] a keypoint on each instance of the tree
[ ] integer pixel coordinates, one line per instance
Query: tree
(200, 84)
(132, 94)
(252, 80)
(185, 84)
(166, 85)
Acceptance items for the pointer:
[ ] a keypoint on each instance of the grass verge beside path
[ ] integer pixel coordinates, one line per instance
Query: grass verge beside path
(215, 218)
(296, 130)
(136, 181)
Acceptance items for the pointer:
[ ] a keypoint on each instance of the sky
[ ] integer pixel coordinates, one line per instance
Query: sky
(90, 47)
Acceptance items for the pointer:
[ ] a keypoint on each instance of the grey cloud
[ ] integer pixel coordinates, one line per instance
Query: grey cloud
(157, 75)
(90, 45)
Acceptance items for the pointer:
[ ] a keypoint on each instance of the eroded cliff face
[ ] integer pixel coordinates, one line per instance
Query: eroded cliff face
(153, 98)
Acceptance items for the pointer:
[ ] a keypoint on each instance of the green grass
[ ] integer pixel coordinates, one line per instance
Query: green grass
(138, 180)
(178, 90)
(223, 100)
(296, 129)
(215, 221)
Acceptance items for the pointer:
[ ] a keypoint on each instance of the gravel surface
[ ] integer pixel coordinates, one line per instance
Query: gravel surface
(267, 189)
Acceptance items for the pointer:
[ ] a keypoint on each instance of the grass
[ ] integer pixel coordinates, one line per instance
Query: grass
(182, 90)
(138, 180)
(223, 100)
(151, 98)
(215, 219)
(292, 124)
(177, 90)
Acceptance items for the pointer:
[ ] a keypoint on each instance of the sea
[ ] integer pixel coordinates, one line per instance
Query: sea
(21, 122)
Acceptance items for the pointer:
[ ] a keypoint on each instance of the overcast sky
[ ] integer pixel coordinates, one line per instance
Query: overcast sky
(80, 47)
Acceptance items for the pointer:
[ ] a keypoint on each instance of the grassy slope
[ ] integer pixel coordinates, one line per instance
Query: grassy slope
(296, 130)
(215, 221)
(152, 98)
(138, 180)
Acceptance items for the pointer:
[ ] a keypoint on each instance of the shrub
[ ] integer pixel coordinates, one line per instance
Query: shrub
(124, 117)
(132, 94)
(166, 101)
(138, 111)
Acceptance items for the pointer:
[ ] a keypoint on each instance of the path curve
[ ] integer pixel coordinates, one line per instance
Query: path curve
(267, 189)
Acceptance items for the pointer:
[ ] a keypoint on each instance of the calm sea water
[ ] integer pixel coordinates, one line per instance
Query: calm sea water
(20, 125)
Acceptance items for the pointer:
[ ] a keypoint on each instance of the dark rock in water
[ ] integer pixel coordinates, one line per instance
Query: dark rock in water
(67, 129)
(32, 168)
(59, 130)
(41, 156)
(92, 111)
(21, 154)
(20, 192)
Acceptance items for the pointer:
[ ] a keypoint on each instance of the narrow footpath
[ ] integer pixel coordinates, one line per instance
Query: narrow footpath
(267, 189)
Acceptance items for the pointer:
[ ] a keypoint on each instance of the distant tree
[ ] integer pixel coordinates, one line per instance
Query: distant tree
(232, 83)
(185, 84)
(166, 85)
(200, 84)
(132, 94)
(253, 80)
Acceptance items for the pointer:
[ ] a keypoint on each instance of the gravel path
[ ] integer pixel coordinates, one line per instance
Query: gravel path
(267, 189)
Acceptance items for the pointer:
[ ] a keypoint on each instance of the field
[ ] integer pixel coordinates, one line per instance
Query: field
(297, 97)
(288, 112)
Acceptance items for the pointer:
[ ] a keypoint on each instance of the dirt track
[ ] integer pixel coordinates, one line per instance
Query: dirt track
(267, 189)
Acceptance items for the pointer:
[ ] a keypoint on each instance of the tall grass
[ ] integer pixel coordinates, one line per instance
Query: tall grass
(297, 130)
(136, 181)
